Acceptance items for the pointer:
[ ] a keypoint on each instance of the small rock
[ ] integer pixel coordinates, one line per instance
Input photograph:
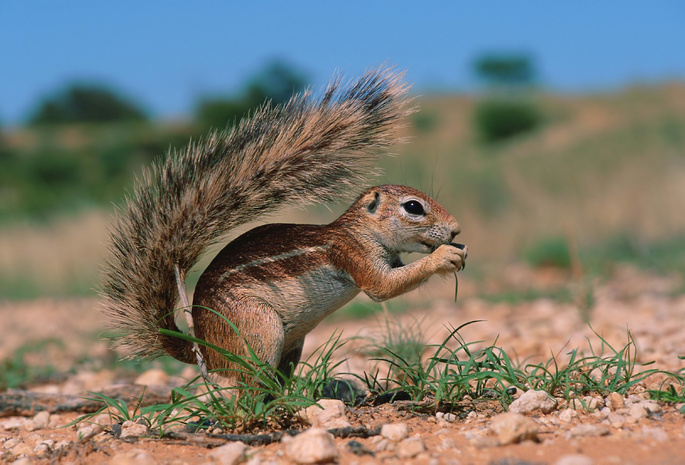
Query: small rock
(651, 406)
(616, 420)
(131, 429)
(42, 419)
(450, 417)
(383, 445)
(104, 419)
(22, 449)
(654, 433)
(575, 459)
(133, 457)
(592, 403)
(44, 447)
(395, 431)
(30, 425)
(588, 431)
(512, 428)
(602, 413)
(88, 431)
(153, 377)
(410, 447)
(447, 444)
(329, 413)
(568, 415)
(39, 421)
(13, 424)
(316, 445)
(232, 453)
(62, 445)
(615, 401)
(531, 401)
(638, 411)
(10, 443)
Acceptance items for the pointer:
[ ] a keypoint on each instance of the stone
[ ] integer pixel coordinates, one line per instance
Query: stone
(131, 429)
(568, 415)
(328, 414)
(88, 431)
(232, 453)
(574, 459)
(133, 457)
(588, 431)
(512, 428)
(44, 447)
(654, 433)
(13, 424)
(316, 445)
(448, 417)
(638, 411)
(153, 377)
(22, 449)
(410, 447)
(395, 431)
(10, 443)
(530, 401)
(615, 401)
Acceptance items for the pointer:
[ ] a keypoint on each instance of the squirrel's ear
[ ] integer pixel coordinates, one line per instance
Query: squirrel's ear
(373, 205)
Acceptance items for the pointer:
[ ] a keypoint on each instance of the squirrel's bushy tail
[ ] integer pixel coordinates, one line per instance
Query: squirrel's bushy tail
(308, 150)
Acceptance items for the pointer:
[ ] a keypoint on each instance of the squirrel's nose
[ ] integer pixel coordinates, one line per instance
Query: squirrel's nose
(456, 229)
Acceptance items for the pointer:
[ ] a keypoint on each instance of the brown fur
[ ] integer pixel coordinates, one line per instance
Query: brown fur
(275, 283)
(278, 281)
(308, 150)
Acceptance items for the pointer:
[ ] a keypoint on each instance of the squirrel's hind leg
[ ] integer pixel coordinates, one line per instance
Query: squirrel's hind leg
(258, 325)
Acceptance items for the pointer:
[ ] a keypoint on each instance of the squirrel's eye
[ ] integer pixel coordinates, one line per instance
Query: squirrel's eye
(414, 208)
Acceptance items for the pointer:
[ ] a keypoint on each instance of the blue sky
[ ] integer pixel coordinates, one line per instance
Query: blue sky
(166, 54)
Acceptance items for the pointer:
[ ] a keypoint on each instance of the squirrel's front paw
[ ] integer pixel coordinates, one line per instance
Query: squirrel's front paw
(450, 257)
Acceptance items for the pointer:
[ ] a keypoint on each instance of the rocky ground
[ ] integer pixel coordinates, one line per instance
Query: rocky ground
(537, 429)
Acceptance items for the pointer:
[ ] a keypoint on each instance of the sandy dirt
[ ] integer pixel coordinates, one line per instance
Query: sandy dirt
(648, 306)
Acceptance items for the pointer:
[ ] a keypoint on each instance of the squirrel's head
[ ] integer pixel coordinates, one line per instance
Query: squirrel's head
(404, 219)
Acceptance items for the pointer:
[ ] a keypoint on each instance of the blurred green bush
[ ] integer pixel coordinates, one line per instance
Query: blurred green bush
(499, 119)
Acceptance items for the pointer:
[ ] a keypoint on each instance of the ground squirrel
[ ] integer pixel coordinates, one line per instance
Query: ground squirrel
(278, 281)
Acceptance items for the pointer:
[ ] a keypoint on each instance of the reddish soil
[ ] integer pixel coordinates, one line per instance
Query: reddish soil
(650, 307)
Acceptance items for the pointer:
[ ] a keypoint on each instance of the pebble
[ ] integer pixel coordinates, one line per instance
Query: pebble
(133, 457)
(88, 431)
(602, 413)
(637, 411)
(410, 447)
(568, 415)
(10, 443)
(588, 431)
(131, 429)
(13, 424)
(38, 422)
(44, 447)
(531, 401)
(654, 433)
(574, 459)
(614, 401)
(232, 453)
(329, 413)
(316, 445)
(395, 431)
(448, 417)
(153, 377)
(22, 449)
(512, 428)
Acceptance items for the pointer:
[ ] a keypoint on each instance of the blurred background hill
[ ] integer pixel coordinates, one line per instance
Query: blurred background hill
(574, 170)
